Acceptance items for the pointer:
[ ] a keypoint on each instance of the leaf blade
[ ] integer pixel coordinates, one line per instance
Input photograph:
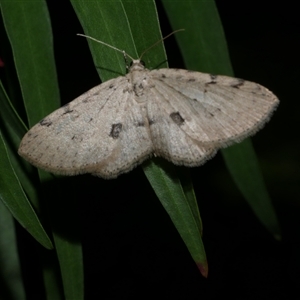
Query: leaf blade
(136, 29)
(13, 197)
(29, 31)
(205, 50)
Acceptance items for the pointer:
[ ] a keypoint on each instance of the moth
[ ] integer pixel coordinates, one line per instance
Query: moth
(180, 115)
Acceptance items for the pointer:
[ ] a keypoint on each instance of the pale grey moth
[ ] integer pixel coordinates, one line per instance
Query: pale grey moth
(182, 116)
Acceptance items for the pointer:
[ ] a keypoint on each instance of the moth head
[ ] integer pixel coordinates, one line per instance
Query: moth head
(137, 65)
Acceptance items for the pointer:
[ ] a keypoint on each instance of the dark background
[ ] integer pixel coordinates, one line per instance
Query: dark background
(131, 248)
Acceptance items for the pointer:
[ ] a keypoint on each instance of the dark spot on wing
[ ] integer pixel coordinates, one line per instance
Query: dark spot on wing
(115, 130)
(151, 122)
(238, 84)
(213, 77)
(211, 82)
(67, 109)
(191, 79)
(89, 96)
(111, 86)
(177, 118)
(211, 114)
(140, 124)
(45, 122)
(163, 76)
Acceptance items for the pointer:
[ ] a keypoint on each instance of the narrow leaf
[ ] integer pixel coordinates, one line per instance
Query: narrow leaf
(10, 271)
(135, 29)
(29, 30)
(204, 49)
(13, 197)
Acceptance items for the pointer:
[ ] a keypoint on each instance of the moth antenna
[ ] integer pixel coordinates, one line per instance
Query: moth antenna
(159, 41)
(105, 44)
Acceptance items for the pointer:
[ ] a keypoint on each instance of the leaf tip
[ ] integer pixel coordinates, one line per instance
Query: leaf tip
(203, 268)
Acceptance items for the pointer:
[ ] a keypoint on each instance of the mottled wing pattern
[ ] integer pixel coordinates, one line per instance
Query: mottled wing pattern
(214, 110)
(97, 133)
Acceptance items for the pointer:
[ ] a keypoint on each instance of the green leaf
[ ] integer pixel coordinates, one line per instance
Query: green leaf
(203, 47)
(182, 208)
(9, 260)
(251, 184)
(71, 266)
(135, 29)
(202, 44)
(127, 32)
(29, 31)
(13, 129)
(13, 197)
(33, 55)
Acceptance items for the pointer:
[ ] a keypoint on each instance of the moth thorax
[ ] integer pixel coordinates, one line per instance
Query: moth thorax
(141, 83)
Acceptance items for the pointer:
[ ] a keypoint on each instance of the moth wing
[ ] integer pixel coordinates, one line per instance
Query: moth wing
(216, 110)
(169, 140)
(96, 133)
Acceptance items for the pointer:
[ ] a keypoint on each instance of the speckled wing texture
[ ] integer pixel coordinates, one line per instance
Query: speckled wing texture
(180, 115)
(215, 111)
(96, 133)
